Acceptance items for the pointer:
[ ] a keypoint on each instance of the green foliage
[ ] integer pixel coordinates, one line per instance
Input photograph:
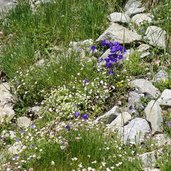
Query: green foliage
(134, 65)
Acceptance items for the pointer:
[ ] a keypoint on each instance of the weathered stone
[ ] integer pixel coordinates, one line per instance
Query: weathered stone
(5, 4)
(119, 17)
(141, 18)
(135, 131)
(161, 76)
(146, 87)
(23, 122)
(161, 140)
(134, 7)
(143, 48)
(148, 159)
(134, 102)
(119, 122)
(153, 114)
(165, 98)
(6, 113)
(16, 148)
(118, 33)
(109, 116)
(6, 97)
(156, 36)
(145, 54)
(151, 169)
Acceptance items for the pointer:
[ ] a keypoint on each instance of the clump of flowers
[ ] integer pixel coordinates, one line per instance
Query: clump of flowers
(116, 51)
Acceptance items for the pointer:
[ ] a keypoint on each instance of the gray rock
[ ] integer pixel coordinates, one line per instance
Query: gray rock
(148, 159)
(165, 98)
(141, 18)
(109, 116)
(156, 36)
(6, 98)
(5, 4)
(161, 140)
(23, 122)
(16, 148)
(151, 169)
(153, 114)
(161, 76)
(145, 86)
(135, 131)
(35, 110)
(118, 33)
(145, 54)
(119, 122)
(6, 113)
(134, 7)
(119, 17)
(134, 102)
(143, 48)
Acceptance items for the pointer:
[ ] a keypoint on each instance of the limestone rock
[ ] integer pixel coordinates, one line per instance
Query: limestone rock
(133, 7)
(119, 122)
(135, 131)
(143, 47)
(153, 114)
(23, 122)
(16, 148)
(156, 36)
(141, 18)
(119, 17)
(118, 33)
(145, 86)
(165, 98)
(6, 97)
(109, 116)
(6, 113)
(161, 140)
(148, 159)
(161, 76)
(134, 102)
(151, 169)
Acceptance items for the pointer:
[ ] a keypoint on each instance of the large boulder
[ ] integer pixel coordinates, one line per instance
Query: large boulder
(135, 131)
(153, 114)
(156, 36)
(118, 33)
(146, 87)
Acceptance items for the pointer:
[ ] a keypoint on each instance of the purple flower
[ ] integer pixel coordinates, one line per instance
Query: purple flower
(93, 48)
(105, 43)
(32, 145)
(33, 126)
(68, 127)
(108, 64)
(17, 139)
(100, 60)
(111, 72)
(85, 80)
(169, 123)
(22, 131)
(77, 114)
(85, 116)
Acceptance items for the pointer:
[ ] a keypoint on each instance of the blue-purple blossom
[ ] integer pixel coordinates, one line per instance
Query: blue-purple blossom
(68, 127)
(17, 139)
(169, 124)
(33, 125)
(86, 80)
(110, 72)
(22, 131)
(105, 43)
(77, 114)
(85, 116)
(93, 48)
(32, 145)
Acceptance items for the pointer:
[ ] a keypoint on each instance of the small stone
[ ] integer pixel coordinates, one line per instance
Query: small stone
(161, 76)
(119, 17)
(139, 19)
(109, 116)
(133, 7)
(23, 122)
(6, 113)
(16, 148)
(151, 169)
(135, 131)
(148, 159)
(153, 114)
(116, 32)
(165, 98)
(156, 36)
(161, 140)
(146, 87)
(143, 47)
(119, 122)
